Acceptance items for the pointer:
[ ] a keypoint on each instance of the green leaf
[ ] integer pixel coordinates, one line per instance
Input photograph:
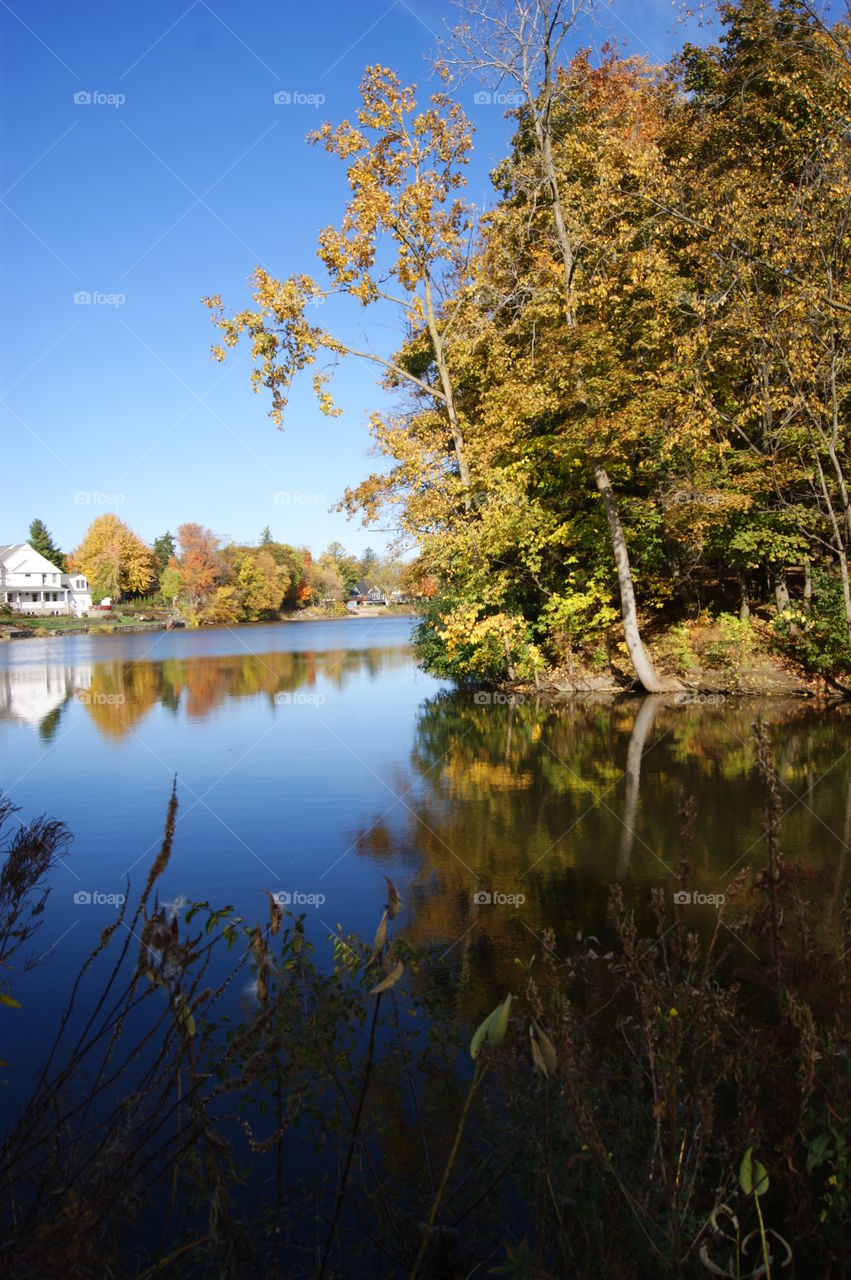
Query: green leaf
(10, 1001)
(493, 1028)
(818, 1151)
(753, 1177)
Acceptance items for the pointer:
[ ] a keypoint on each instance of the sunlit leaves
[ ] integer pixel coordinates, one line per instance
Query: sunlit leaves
(114, 559)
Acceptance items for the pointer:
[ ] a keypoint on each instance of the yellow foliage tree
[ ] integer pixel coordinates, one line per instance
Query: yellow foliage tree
(114, 559)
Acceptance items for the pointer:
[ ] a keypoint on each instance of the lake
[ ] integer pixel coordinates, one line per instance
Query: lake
(312, 759)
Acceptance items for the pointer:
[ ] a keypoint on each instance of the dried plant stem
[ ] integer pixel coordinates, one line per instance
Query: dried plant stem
(279, 1170)
(474, 1084)
(352, 1140)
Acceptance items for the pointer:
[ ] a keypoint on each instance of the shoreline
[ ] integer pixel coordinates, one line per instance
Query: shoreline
(20, 631)
(767, 677)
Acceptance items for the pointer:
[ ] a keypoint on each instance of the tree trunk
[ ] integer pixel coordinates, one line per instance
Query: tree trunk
(448, 394)
(781, 591)
(808, 588)
(744, 599)
(644, 668)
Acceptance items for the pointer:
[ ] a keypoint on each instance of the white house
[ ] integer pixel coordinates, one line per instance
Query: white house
(31, 584)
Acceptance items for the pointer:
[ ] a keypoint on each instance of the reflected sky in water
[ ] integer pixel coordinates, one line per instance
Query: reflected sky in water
(315, 758)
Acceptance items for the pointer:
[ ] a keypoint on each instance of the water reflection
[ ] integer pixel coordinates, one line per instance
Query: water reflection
(555, 805)
(118, 695)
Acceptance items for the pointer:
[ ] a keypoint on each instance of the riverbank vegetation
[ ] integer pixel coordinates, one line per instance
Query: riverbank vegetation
(348, 1118)
(203, 579)
(622, 401)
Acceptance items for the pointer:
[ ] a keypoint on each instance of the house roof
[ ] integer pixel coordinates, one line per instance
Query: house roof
(18, 551)
(36, 562)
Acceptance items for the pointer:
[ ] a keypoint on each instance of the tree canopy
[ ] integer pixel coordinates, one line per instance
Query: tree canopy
(624, 390)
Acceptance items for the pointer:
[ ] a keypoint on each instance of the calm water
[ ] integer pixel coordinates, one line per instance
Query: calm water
(314, 758)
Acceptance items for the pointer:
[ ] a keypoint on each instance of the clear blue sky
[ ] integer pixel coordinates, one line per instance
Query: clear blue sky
(177, 192)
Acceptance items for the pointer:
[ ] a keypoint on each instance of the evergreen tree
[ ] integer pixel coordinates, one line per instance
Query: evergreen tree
(163, 551)
(41, 541)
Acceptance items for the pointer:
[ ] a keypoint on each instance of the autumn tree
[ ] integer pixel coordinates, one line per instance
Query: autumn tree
(521, 43)
(201, 561)
(403, 235)
(766, 211)
(259, 582)
(325, 580)
(627, 384)
(114, 559)
(294, 563)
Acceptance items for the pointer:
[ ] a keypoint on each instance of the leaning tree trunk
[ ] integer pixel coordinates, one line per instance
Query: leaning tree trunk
(644, 669)
(639, 657)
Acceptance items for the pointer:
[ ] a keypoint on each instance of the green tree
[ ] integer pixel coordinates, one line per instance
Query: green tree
(163, 548)
(172, 581)
(41, 541)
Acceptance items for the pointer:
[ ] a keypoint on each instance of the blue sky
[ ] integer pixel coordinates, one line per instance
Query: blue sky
(173, 176)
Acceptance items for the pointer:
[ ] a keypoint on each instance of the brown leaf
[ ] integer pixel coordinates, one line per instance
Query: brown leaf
(394, 902)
